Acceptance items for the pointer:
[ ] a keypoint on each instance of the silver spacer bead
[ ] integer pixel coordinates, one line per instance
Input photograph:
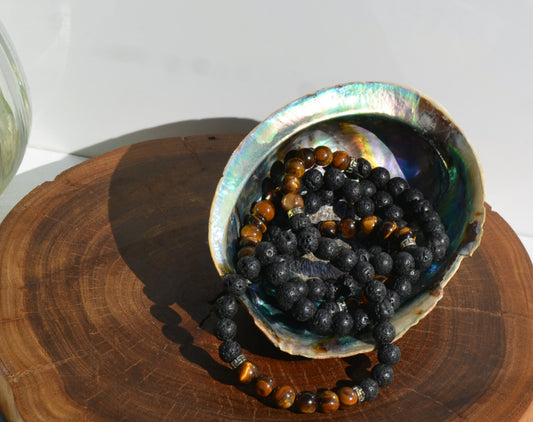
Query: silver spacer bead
(292, 212)
(341, 304)
(238, 361)
(360, 393)
(352, 167)
(407, 242)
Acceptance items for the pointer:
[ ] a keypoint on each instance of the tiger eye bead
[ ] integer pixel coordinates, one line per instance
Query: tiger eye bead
(347, 227)
(341, 160)
(305, 402)
(295, 166)
(347, 396)
(246, 251)
(368, 224)
(246, 372)
(328, 401)
(307, 155)
(292, 200)
(388, 228)
(263, 386)
(257, 221)
(283, 396)
(265, 209)
(291, 183)
(251, 233)
(323, 155)
(328, 228)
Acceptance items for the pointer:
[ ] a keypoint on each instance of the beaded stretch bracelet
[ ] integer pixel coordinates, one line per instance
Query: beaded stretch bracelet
(370, 281)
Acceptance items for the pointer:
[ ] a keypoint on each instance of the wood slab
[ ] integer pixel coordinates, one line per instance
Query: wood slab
(105, 289)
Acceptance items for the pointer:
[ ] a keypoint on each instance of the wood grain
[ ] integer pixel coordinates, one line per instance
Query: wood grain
(105, 289)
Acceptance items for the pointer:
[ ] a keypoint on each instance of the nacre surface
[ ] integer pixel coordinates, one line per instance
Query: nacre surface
(391, 126)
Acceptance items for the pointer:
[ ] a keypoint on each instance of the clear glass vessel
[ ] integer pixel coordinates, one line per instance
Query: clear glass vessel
(15, 111)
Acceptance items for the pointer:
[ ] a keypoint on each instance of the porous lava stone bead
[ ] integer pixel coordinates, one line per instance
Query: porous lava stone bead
(422, 256)
(328, 197)
(249, 267)
(369, 189)
(421, 207)
(226, 306)
(363, 167)
(361, 320)
(322, 321)
(276, 273)
(334, 178)
(382, 263)
(315, 289)
(301, 284)
(352, 190)
(303, 310)
(286, 242)
(362, 255)
(299, 222)
(402, 285)
(433, 227)
(382, 311)
(265, 252)
(410, 195)
(308, 239)
(327, 248)
(383, 374)
(330, 292)
(379, 176)
(382, 199)
(312, 202)
(403, 262)
(313, 179)
(235, 284)
(342, 323)
(370, 387)
(225, 329)
(394, 298)
(364, 207)
(396, 186)
(345, 260)
(287, 295)
(347, 286)
(389, 354)
(384, 332)
(375, 291)
(363, 272)
(229, 350)
(392, 212)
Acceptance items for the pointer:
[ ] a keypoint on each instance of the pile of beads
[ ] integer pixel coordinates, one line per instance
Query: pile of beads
(371, 251)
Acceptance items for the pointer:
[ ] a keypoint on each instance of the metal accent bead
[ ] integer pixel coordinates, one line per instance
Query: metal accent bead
(238, 361)
(407, 242)
(297, 210)
(341, 304)
(352, 167)
(360, 393)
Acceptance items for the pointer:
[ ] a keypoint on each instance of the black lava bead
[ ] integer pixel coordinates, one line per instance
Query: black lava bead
(403, 262)
(396, 186)
(287, 295)
(382, 263)
(392, 212)
(422, 256)
(402, 285)
(327, 196)
(394, 298)
(382, 199)
(322, 321)
(313, 179)
(327, 248)
(370, 388)
(383, 374)
(363, 167)
(303, 310)
(299, 222)
(308, 239)
(265, 252)
(286, 242)
(382, 311)
(363, 272)
(229, 350)
(361, 320)
(330, 289)
(389, 354)
(379, 176)
(369, 188)
(226, 306)
(249, 267)
(225, 329)
(375, 291)
(384, 332)
(334, 178)
(235, 284)
(276, 273)
(316, 289)
(363, 255)
(352, 190)
(364, 207)
(410, 195)
(312, 202)
(347, 286)
(345, 260)
(342, 323)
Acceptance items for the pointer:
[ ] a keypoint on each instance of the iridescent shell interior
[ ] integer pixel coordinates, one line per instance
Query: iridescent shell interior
(391, 126)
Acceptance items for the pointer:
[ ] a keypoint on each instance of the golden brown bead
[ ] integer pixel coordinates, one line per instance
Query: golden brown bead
(265, 209)
(323, 155)
(347, 227)
(368, 223)
(283, 396)
(254, 220)
(328, 228)
(388, 228)
(347, 396)
(307, 155)
(245, 251)
(291, 183)
(341, 160)
(305, 402)
(295, 166)
(292, 200)
(251, 233)
(246, 372)
(263, 386)
(328, 401)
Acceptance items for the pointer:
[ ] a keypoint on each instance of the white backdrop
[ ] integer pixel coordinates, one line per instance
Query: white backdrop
(104, 71)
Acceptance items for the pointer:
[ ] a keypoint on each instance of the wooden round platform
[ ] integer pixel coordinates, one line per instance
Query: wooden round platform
(105, 289)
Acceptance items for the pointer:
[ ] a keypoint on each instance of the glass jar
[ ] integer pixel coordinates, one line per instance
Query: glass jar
(15, 111)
